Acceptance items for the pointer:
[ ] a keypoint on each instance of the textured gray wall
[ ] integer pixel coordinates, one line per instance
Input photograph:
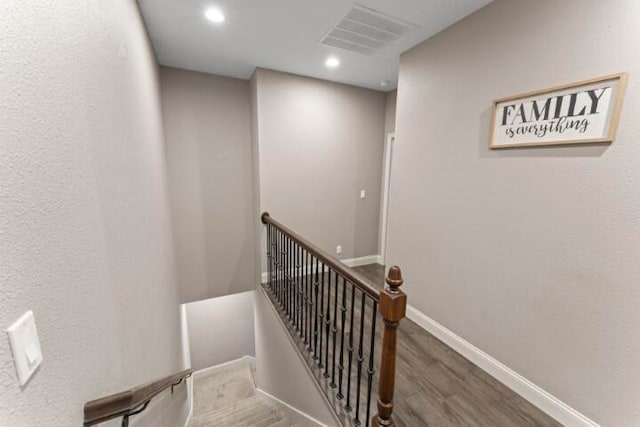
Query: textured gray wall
(207, 121)
(280, 370)
(221, 329)
(319, 144)
(84, 212)
(529, 254)
(390, 112)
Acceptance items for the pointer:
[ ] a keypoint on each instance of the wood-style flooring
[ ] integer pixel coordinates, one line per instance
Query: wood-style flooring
(435, 386)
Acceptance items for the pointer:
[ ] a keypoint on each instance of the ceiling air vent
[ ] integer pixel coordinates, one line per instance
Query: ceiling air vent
(366, 31)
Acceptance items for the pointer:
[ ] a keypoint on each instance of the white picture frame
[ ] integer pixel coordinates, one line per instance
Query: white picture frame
(577, 113)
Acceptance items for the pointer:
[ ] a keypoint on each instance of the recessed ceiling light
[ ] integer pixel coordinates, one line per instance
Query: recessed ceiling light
(384, 83)
(214, 15)
(332, 62)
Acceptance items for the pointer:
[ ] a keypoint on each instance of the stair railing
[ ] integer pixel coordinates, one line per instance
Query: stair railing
(129, 402)
(332, 311)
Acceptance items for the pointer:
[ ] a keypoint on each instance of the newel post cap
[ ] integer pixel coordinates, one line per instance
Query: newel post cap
(394, 279)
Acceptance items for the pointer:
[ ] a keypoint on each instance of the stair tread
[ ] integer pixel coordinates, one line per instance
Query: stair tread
(254, 412)
(226, 396)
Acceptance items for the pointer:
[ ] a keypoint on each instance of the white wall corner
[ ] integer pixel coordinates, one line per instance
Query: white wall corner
(546, 402)
(189, 383)
(186, 358)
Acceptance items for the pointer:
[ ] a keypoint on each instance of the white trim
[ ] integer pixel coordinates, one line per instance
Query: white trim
(189, 382)
(365, 260)
(516, 382)
(204, 371)
(186, 357)
(386, 185)
(297, 411)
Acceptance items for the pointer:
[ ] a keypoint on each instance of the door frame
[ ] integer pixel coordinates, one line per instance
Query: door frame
(386, 184)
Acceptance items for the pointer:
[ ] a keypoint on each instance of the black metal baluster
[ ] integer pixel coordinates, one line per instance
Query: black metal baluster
(343, 310)
(280, 257)
(334, 331)
(310, 301)
(302, 291)
(277, 255)
(281, 281)
(350, 349)
(303, 295)
(327, 324)
(287, 276)
(321, 321)
(296, 266)
(298, 286)
(284, 273)
(316, 286)
(289, 286)
(279, 261)
(360, 358)
(285, 265)
(295, 285)
(372, 348)
(290, 281)
(268, 255)
(292, 284)
(272, 246)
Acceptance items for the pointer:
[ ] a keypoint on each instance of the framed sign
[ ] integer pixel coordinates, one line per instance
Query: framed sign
(576, 113)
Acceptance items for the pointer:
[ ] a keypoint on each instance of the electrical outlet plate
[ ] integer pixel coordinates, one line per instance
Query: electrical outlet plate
(25, 346)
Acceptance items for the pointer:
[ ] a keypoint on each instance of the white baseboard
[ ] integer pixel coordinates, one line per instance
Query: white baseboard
(251, 360)
(364, 260)
(516, 382)
(302, 415)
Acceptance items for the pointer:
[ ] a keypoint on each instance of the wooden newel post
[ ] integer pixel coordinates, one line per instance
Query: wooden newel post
(393, 306)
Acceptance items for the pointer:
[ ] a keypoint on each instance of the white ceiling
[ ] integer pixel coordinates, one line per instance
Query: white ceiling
(284, 35)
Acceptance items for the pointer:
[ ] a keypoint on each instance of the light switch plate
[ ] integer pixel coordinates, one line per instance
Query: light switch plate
(25, 346)
(363, 194)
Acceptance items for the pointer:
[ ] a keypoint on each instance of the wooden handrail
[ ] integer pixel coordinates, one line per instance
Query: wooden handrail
(348, 273)
(128, 402)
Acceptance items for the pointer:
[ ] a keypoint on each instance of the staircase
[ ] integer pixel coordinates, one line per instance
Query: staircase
(227, 396)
